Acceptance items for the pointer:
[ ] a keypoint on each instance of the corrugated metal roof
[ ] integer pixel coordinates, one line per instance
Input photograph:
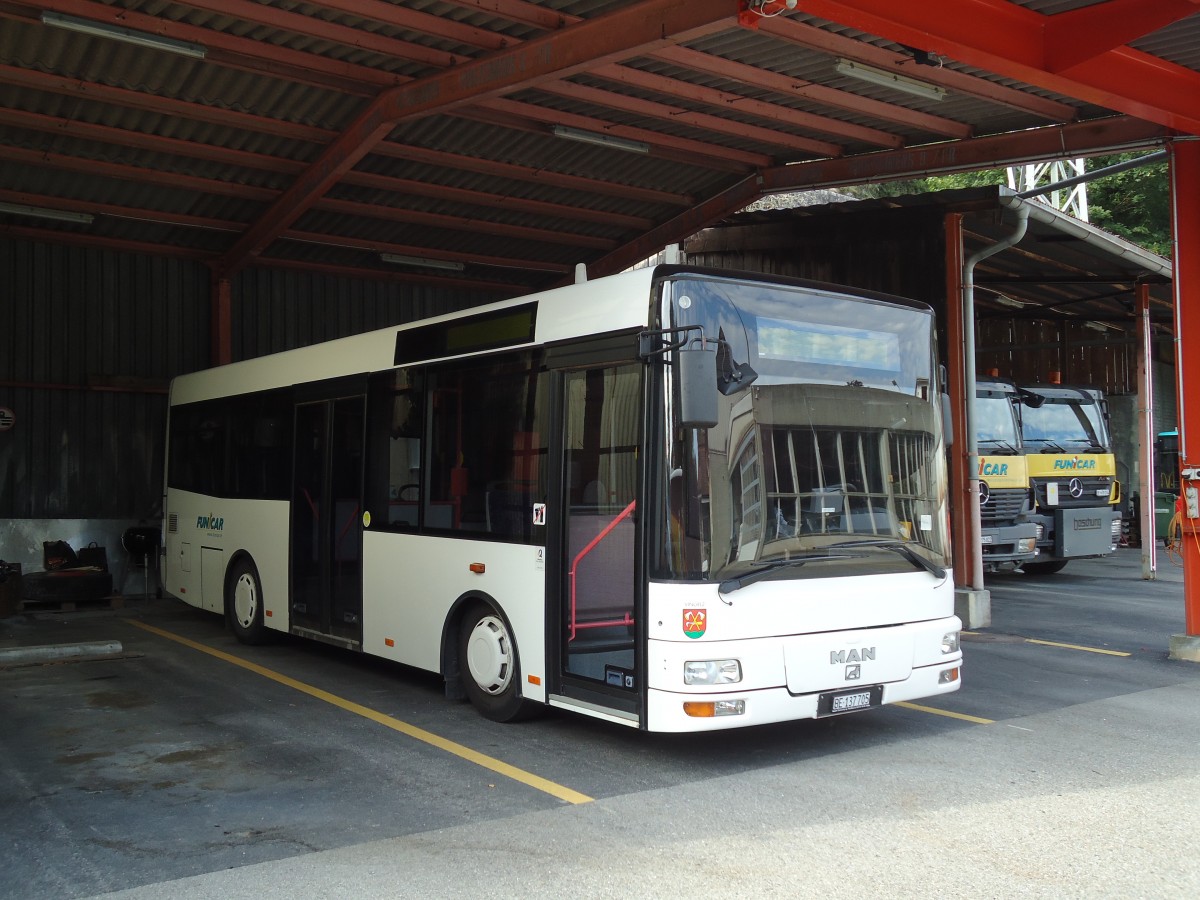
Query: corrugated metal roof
(180, 155)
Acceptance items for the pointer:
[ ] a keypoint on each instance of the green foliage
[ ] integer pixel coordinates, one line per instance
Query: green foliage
(1134, 204)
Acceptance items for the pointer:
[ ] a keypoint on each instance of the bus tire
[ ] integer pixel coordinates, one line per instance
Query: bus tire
(1043, 568)
(491, 671)
(244, 603)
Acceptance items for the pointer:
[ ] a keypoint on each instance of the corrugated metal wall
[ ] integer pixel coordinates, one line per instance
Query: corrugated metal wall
(277, 310)
(89, 340)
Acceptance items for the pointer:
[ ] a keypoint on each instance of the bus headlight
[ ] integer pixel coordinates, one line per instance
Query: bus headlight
(950, 642)
(712, 671)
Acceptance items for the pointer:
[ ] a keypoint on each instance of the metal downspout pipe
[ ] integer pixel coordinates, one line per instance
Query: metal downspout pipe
(968, 314)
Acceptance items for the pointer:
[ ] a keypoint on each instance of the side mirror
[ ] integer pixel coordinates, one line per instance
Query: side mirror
(947, 420)
(697, 370)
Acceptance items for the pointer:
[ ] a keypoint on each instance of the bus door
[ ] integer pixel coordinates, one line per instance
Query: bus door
(326, 539)
(599, 659)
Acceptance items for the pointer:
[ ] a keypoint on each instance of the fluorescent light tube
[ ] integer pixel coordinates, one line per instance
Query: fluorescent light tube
(448, 265)
(128, 35)
(41, 212)
(600, 140)
(894, 80)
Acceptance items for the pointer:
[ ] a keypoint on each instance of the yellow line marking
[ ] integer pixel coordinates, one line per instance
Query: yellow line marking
(1077, 647)
(945, 712)
(420, 734)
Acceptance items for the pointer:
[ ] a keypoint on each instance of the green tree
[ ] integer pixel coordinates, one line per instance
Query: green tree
(1135, 204)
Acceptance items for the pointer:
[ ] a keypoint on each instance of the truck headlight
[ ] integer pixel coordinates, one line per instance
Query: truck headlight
(712, 671)
(950, 642)
(1026, 545)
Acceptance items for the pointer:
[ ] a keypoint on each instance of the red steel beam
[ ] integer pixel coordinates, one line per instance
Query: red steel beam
(265, 195)
(818, 93)
(701, 121)
(542, 208)
(713, 209)
(1080, 34)
(325, 30)
(1010, 40)
(1185, 238)
(1050, 142)
(608, 38)
(457, 223)
(835, 44)
(506, 113)
(95, 92)
(464, 256)
(530, 174)
(503, 289)
(231, 50)
(962, 520)
(769, 112)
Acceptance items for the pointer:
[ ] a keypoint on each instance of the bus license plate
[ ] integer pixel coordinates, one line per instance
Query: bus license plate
(835, 702)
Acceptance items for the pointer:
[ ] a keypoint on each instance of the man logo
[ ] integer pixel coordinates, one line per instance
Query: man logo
(853, 673)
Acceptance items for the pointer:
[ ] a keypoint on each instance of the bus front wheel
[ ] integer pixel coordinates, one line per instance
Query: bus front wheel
(490, 667)
(244, 604)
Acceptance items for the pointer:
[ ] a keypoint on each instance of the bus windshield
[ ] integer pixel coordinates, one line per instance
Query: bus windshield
(833, 454)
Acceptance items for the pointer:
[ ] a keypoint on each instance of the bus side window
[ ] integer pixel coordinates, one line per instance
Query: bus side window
(486, 449)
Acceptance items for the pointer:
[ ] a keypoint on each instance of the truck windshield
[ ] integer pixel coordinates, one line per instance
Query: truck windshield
(836, 442)
(996, 423)
(1064, 424)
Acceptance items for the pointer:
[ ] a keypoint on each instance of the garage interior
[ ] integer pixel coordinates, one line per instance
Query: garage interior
(191, 184)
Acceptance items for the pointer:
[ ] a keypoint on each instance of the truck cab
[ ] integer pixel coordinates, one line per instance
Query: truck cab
(1072, 474)
(1008, 534)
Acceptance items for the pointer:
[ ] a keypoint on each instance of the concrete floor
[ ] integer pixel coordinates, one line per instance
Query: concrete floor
(1057, 771)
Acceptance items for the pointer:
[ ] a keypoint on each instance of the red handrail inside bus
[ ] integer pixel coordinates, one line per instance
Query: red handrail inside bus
(628, 620)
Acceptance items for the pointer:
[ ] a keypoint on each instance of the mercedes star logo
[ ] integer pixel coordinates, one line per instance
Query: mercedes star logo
(1076, 488)
(984, 492)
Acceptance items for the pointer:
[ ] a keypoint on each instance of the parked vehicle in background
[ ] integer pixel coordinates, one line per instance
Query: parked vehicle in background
(1072, 473)
(1008, 534)
(1166, 481)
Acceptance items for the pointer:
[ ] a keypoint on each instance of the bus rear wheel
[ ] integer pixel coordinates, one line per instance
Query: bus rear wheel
(491, 670)
(244, 605)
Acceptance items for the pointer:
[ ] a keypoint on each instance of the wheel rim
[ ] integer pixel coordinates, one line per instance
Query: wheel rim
(490, 655)
(245, 600)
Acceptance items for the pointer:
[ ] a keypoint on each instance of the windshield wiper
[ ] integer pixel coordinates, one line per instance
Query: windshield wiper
(1051, 446)
(762, 571)
(1001, 443)
(903, 549)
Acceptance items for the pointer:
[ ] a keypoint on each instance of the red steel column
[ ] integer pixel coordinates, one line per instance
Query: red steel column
(1185, 201)
(222, 322)
(962, 522)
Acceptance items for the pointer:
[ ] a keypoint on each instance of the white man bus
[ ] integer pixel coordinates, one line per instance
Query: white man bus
(675, 499)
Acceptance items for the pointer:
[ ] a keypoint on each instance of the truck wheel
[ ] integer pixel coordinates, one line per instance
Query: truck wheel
(1043, 568)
